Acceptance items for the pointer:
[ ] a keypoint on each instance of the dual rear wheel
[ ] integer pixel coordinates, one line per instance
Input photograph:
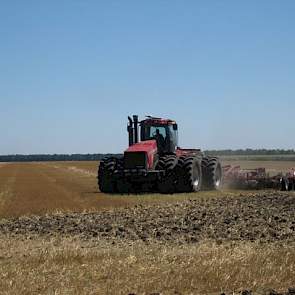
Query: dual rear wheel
(189, 174)
(212, 173)
(286, 184)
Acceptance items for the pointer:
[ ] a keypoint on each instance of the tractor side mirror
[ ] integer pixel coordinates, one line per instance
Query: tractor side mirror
(174, 127)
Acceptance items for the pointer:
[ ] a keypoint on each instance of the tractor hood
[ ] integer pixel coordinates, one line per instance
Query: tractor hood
(149, 147)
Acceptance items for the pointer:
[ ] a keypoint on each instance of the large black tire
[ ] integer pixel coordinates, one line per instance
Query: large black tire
(212, 173)
(168, 163)
(189, 174)
(284, 184)
(106, 169)
(122, 185)
(291, 185)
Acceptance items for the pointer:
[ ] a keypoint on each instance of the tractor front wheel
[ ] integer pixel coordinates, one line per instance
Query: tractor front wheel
(106, 169)
(167, 184)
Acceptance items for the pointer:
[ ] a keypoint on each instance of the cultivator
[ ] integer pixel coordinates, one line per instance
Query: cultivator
(258, 178)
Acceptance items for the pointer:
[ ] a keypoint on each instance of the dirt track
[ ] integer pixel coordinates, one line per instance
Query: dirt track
(252, 217)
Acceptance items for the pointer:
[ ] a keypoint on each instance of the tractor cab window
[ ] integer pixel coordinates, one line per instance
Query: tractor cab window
(159, 133)
(151, 132)
(173, 134)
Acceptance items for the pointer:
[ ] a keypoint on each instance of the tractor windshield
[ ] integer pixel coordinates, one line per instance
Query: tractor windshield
(152, 131)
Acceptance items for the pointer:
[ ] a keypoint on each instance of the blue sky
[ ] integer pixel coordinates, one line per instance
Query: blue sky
(71, 72)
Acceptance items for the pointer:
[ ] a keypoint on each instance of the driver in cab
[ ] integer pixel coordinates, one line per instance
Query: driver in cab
(160, 140)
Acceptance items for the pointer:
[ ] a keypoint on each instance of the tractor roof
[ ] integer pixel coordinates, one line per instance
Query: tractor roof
(157, 121)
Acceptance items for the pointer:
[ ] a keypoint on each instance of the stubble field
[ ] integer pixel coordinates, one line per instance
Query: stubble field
(59, 235)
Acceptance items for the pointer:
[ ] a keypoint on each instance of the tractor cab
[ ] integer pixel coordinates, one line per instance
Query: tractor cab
(164, 131)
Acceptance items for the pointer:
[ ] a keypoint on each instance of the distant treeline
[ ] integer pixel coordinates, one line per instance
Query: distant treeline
(251, 152)
(54, 157)
(97, 157)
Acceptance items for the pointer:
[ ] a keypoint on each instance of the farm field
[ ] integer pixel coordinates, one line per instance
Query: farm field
(44, 187)
(49, 187)
(59, 235)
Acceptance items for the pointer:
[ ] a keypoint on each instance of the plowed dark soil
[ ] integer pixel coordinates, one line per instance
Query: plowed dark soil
(263, 291)
(251, 217)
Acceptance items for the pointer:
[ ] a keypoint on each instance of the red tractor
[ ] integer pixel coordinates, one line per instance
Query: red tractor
(156, 163)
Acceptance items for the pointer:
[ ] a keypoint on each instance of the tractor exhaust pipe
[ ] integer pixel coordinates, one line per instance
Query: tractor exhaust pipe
(135, 122)
(130, 131)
